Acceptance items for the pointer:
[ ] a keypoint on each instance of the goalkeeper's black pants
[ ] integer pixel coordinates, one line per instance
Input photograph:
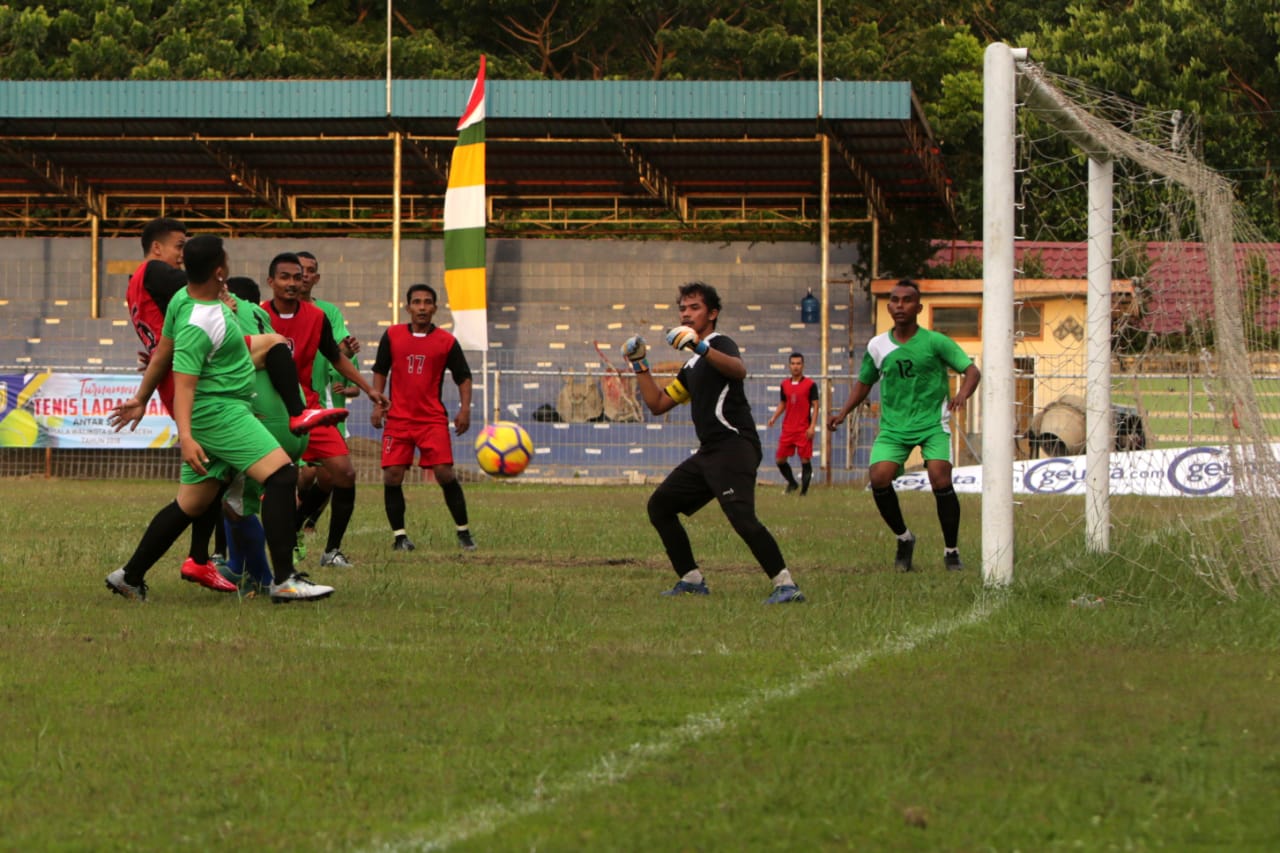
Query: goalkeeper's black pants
(724, 470)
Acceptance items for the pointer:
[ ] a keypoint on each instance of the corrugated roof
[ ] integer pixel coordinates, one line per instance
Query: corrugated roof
(617, 157)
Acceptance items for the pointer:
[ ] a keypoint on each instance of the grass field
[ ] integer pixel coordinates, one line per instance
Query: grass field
(1178, 409)
(539, 694)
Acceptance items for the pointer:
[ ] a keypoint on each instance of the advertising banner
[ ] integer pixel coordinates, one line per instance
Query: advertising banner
(70, 410)
(1173, 472)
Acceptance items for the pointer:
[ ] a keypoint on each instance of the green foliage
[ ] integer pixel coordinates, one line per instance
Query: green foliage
(961, 268)
(1221, 63)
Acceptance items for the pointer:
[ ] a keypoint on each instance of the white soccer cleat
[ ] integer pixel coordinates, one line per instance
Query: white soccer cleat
(299, 588)
(336, 559)
(117, 584)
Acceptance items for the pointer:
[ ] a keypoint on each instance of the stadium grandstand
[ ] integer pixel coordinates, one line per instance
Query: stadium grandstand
(642, 185)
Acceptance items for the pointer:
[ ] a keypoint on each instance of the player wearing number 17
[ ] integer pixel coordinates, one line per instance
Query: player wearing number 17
(911, 363)
(728, 457)
(414, 356)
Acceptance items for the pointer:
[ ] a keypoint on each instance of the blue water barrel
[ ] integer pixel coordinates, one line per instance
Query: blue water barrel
(810, 309)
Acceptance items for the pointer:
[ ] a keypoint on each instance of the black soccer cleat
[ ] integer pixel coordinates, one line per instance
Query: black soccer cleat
(902, 560)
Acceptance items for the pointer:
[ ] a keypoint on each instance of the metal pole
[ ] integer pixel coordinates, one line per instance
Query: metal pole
(824, 315)
(95, 265)
(824, 310)
(820, 59)
(395, 231)
(389, 57)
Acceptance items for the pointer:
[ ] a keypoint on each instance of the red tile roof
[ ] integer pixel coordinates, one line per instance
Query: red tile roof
(1177, 282)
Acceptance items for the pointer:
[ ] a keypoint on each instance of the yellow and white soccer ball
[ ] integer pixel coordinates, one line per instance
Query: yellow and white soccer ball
(503, 449)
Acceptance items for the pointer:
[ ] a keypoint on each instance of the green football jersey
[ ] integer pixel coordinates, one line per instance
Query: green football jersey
(913, 377)
(208, 343)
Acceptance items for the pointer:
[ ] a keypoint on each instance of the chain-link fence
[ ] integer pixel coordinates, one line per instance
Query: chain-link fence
(586, 426)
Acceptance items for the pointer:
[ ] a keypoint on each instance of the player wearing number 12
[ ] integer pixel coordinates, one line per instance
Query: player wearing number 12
(728, 457)
(911, 364)
(414, 356)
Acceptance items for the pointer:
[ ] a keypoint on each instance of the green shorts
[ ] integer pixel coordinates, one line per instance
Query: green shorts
(271, 410)
(245, 494)
(889, 447)
(294, 445)
(232, 437)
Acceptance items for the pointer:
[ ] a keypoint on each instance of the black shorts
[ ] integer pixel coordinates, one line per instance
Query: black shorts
(725, 470)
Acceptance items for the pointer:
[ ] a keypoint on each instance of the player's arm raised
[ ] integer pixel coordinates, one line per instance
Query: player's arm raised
(637, 351)
(730, 366)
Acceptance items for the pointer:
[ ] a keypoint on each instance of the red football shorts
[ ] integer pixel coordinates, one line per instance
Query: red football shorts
(798, 443)
(432, 441)
(325, 442)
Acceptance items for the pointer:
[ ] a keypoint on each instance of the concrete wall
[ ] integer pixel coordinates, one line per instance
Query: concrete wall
(548, 299)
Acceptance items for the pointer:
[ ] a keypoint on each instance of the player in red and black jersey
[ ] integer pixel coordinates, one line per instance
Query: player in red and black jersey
(415, 356)
(728, 457)
(798, 408)
(308, 332)
(152, 285)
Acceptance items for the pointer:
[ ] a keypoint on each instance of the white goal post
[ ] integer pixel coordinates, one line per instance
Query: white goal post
(1011, 79)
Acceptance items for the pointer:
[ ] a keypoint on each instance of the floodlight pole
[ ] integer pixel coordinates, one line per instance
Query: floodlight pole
(824, 309)
(389, 13)
(397, 176)
(395, 229)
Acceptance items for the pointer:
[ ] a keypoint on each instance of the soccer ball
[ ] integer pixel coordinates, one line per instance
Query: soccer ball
(503, 449)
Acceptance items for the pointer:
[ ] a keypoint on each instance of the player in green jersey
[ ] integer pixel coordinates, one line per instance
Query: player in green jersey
(219, 434)
(911, 364)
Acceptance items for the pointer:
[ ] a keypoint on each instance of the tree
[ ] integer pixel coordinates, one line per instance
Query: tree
(1221, 64)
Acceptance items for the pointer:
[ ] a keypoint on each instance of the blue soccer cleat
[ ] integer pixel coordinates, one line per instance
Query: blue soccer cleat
(686, 588)
(789, 594)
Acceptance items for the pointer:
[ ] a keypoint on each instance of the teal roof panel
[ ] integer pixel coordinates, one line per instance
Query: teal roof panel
(345, 99)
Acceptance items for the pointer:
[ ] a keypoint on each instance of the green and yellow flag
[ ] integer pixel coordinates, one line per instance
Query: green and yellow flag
(464, 223)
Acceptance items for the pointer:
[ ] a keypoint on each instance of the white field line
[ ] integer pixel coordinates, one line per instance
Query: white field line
(615, 767)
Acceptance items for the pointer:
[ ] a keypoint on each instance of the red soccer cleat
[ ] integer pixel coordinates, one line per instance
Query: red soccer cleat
(206, 575)
(312, 418)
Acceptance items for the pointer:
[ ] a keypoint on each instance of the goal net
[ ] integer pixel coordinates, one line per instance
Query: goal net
(1145, 406)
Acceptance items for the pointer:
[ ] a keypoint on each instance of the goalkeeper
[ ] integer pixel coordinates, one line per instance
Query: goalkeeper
(728, 457)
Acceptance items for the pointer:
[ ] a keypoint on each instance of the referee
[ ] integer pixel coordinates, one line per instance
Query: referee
(725, 464)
